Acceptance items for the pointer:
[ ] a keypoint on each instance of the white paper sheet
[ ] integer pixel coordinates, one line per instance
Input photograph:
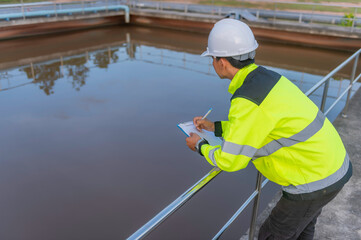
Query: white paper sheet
(189, 127)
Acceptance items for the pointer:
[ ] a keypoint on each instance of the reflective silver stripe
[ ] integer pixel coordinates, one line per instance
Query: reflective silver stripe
(236, 149)
(320, 184)
(211, 156)
(301, 136)
(275, 145)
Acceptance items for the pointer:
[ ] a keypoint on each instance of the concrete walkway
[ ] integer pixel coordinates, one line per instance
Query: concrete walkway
(341, 218)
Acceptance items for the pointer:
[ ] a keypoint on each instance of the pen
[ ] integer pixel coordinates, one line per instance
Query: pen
(209, 111)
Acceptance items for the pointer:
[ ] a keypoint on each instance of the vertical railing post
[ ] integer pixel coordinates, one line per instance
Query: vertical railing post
(313, 10)
(344, 113)
(255, 206)
(324, 95)
(61, 66)
(274, 14)
(32, 70)
(56, 13)
(109, 55)
(140, 52)
(184, 60)
(161, 56)
(354, 20)
(22, 9)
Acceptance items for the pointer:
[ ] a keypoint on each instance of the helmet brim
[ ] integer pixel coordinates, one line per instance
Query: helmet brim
(205, 54)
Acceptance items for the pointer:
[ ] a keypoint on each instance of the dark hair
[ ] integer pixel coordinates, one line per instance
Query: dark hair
(236, 63)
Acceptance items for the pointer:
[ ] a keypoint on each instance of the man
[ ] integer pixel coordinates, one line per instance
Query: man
(274, 125)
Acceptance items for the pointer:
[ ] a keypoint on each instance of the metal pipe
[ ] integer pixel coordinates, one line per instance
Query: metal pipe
(262, 14)
(67, 11)
(261, 1)
(317, 85)
(255, 206)
(344, 113)
(324, 95)
(175, 205)
(239, 211)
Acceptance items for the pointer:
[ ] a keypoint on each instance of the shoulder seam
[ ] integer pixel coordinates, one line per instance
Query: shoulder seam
(248, 98)
(250, 89)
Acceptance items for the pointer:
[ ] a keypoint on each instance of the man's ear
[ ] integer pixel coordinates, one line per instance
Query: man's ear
(223, 62)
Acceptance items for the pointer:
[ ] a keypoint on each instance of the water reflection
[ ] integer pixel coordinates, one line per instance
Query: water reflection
(74, 68)
(103, 58)
(77, 70)
(92, 148)
(77, 67)
(44, 75)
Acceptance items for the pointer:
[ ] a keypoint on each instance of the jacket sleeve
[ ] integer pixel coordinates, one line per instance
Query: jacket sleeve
(220, 126)
(244, 133)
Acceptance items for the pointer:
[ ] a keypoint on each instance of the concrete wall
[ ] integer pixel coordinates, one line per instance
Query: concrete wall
(321, 37)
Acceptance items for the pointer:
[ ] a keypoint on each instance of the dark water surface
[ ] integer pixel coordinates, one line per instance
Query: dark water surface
(89, 142)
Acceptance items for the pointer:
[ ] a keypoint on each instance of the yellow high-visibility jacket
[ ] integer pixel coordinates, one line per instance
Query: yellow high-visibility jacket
(288, 139)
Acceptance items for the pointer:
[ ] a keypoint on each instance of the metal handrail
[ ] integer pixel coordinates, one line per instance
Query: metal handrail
(166, 212)
(271, 14)
(332, 73)
(76, 7)
(160, 217)
(308, 93)
(244, 205)
(342, 94)
(327, 78)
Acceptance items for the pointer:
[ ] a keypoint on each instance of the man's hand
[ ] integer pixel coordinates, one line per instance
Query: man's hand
(203, 124)
(192, 141)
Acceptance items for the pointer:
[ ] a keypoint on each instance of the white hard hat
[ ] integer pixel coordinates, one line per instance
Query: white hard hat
(231, 38)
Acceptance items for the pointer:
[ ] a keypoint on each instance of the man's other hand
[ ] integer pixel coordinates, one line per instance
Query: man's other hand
(203, 124)
(192, 141)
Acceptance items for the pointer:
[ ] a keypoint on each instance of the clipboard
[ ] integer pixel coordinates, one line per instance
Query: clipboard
(188, 127)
